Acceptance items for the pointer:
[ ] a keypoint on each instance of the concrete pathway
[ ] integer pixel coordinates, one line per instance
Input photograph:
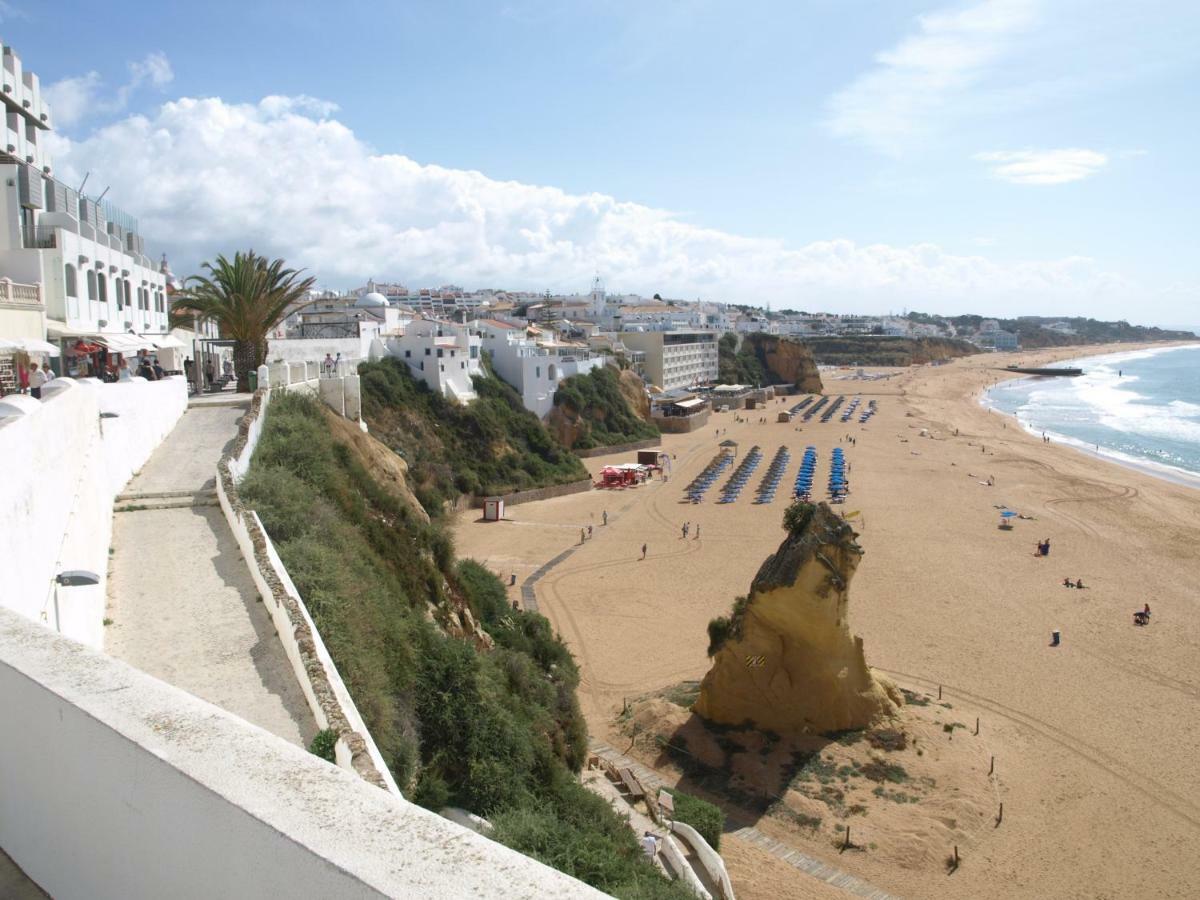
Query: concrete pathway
(802, 861)
(180, 597)
(15, 884)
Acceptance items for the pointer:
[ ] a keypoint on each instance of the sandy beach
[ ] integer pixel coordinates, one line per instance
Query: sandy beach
(1094, 740)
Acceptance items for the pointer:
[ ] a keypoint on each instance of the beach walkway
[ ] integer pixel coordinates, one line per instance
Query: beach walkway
(181, 600)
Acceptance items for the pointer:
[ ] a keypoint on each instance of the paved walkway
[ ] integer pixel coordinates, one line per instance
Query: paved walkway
(15, 884)
(180, 597)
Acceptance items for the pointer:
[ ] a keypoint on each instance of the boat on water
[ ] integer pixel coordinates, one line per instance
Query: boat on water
(1050, 372)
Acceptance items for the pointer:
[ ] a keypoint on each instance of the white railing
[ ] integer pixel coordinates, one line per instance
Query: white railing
(15, 292)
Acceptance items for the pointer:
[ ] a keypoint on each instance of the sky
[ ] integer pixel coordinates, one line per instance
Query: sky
(1002, 157)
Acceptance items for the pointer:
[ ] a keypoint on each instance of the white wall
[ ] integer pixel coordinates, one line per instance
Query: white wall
(117, 785)
(63, 467)
(293, 350)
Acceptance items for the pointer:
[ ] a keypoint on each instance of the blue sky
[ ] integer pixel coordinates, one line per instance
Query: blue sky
(1002, 156)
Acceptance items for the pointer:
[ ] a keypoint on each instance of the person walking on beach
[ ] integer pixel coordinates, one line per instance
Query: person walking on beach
(697, 531)
(643, 551)
(589, 531)
(582, 535)
(604, 518)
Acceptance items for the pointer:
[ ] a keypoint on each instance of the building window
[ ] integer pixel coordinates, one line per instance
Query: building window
(442, 367)
(422, 365)
(462, 365)
(474, 353)
(537, 371)
(441, 352)
(72, 290)
(102, 285)
(426, 351)
(91, 284)
(120, 292)
(408, 354)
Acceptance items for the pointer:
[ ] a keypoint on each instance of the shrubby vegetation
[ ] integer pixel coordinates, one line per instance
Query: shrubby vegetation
(499, 733)
(604, 414)
(490, 446)
(701, 815)
(1032, 333)
(852, 350)
(738, 366)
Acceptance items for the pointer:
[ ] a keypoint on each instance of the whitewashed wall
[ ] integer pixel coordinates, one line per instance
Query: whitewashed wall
(117, 785)
(63, 466)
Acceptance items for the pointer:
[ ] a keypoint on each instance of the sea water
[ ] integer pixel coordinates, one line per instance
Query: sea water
(1140, 408)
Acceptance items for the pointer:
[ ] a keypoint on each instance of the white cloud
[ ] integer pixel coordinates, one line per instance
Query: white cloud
(1043, 166)
(205, 176)
(913, 85)
(84, 96)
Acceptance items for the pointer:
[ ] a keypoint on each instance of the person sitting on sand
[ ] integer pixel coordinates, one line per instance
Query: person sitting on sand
(1067, 582)
(1079, 583)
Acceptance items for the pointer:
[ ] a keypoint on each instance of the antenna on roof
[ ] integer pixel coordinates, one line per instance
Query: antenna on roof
(82, 183)
(102, 193)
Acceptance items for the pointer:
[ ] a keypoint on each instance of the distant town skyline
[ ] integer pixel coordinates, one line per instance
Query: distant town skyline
(998, 157)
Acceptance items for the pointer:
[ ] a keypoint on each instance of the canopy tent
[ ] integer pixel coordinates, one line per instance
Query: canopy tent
(167, 342)
(124, 343)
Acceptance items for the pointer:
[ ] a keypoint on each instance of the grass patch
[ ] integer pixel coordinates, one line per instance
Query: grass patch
(701, 815)
(889, 739)
(881, 770)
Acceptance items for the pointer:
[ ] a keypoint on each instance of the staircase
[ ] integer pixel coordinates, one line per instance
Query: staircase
(139, 501)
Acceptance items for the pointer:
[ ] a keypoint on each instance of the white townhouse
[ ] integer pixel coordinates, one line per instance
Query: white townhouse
(534, 368)
(85, 256)
(442, 354)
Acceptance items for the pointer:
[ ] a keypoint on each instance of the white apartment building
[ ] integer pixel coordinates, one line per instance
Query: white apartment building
(533, 368)
(442, 354)
(676, 359)
(86, 258)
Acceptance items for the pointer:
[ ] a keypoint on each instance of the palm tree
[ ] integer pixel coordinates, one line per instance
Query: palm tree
(246, 297)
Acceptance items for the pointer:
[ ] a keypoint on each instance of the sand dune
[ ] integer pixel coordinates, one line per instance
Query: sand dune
(1094, 739)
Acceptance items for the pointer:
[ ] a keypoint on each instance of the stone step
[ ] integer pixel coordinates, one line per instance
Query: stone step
(186, 502)
(207, 493)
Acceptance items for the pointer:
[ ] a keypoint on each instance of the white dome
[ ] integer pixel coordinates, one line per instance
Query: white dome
(371, 299)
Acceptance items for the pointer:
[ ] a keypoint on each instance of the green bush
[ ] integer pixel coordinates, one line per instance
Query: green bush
(701, 815)
(604, 415)
(323, 744)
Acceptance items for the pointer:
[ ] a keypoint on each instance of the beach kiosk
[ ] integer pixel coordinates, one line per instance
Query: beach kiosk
(729, 447)
(493, 509)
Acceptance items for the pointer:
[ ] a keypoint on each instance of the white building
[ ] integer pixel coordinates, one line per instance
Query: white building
(442, 354)
(676, 359)
(86, 257)
(533, 368)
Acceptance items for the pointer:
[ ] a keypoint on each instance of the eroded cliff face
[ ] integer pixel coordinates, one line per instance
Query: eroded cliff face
(634, 391)
(788, 663)
(388, 469)
(790, 362)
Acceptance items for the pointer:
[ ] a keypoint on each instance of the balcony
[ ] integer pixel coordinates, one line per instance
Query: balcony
(23, 295)
(41, 238)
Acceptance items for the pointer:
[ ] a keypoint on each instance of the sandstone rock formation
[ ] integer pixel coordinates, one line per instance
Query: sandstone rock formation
(785, 660)
(388, 469)
(788, 362)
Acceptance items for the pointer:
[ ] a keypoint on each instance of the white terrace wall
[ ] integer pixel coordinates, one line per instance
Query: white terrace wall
(318, 677)
(114, 784)
(63, 465)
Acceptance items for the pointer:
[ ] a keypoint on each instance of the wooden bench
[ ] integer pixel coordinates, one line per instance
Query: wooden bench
(632, 784)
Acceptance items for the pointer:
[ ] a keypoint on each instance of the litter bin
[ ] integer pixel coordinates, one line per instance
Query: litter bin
(253, 376)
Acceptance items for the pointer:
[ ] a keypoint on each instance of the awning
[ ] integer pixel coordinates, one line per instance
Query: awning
(167, 342)
(35, 345)
(124, 343)
(689, 404)
(57, 329)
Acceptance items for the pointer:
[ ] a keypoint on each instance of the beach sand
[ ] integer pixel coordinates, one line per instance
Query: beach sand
(1094, 740)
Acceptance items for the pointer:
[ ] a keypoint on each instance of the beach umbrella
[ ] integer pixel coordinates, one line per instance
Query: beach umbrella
(1007, 514)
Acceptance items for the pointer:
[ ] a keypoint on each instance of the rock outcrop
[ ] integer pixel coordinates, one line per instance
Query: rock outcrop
(785, 660)
(787, 362)
(387, 468)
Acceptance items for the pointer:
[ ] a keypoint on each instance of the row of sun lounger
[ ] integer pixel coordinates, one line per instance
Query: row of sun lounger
(838, 486)
(802, 490)
(851, 407)
(814, 409)
(799, 406)
(741, 475)
(702, 482)
(868, 412)
(770, 482)
(833, 408)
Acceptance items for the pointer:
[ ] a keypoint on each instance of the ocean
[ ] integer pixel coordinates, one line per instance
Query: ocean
(1140, 408)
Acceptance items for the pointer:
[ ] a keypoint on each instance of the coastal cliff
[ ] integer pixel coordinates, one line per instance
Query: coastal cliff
(764, 359)
(601, 409)
(785, 660)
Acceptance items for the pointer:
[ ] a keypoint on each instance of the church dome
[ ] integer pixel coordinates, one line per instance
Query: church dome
(372, 299)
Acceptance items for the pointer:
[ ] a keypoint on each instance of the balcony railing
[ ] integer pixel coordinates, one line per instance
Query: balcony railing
(12, 292)
(41, 238)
